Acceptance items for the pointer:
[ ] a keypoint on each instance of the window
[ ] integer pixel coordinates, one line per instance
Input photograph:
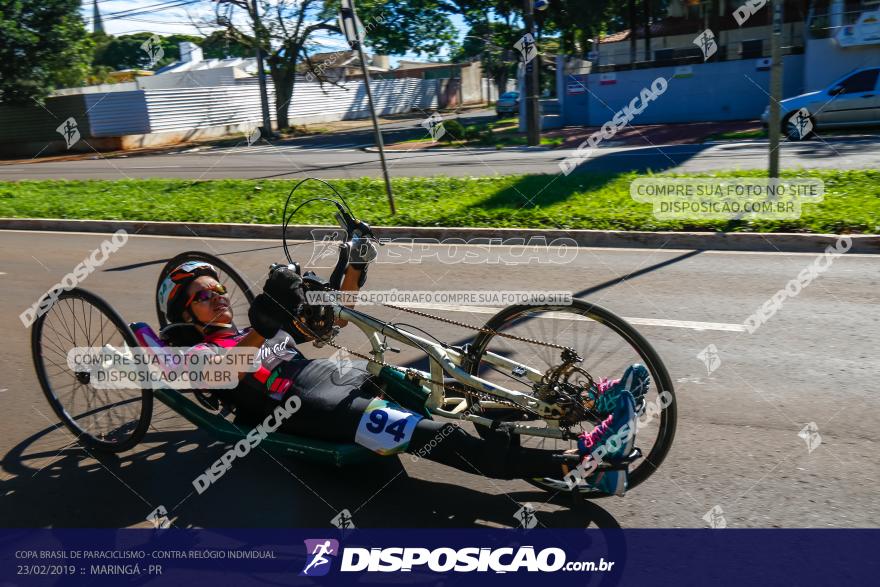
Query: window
(863, 81)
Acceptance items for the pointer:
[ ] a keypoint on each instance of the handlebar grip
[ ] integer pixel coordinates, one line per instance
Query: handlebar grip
(339, 271)
(344, 222)
(295, 265)
(363, 278)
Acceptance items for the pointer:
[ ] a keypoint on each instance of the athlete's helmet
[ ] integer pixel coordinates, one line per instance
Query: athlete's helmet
(172, 292)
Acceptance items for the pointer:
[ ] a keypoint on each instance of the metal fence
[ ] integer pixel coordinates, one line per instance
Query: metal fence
(143, 112)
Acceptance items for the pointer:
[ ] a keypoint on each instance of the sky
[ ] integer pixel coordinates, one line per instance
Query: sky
(167, 17)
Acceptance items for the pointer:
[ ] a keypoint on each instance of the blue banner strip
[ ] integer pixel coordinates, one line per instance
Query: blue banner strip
(454, 557)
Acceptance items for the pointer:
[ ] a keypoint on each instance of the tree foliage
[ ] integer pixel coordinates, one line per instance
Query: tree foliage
(126, 51)
(43, 46)
(287, 32)
(422, 27)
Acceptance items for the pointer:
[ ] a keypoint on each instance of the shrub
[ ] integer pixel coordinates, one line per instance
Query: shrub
(454, 131)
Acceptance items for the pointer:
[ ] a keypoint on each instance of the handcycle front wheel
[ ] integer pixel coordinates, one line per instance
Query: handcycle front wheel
(110, 420)
(608, 345)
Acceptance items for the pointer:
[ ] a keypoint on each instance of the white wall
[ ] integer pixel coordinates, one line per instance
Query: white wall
(179, 109)
(199, 78)
(826, 61)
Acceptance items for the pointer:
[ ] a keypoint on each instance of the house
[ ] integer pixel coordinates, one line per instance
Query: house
(726, 78)
(193, 71)
(742, 30)
(340, 66)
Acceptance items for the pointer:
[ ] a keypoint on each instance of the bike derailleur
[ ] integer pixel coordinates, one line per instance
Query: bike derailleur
(566, 385)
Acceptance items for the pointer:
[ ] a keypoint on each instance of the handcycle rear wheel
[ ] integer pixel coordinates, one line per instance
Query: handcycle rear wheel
(238, 292)
(103, 419)
(607, 343)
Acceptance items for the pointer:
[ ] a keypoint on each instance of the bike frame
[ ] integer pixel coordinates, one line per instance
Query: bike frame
(447, 361)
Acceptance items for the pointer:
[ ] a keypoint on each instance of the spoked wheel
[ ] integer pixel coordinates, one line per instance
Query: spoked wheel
(608, 345)
(112, 420)
(239, 295)
(793, 131)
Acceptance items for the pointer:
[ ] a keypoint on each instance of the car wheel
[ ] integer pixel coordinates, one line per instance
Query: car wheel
(798, 132)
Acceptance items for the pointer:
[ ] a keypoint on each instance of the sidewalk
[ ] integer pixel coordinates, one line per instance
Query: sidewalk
(341, 126)
(644, 135)
(654, 134)
(299, 131)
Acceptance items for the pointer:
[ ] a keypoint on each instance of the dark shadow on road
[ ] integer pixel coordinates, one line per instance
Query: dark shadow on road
(258, 491)
(633, 274)
(638, 159)
(161, 261)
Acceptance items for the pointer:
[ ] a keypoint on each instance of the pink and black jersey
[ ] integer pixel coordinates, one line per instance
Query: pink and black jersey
(273, 354)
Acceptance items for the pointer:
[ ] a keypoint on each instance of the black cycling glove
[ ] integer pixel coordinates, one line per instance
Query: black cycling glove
(280, 303)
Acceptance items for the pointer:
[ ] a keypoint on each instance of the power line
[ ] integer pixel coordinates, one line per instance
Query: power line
(123, 14)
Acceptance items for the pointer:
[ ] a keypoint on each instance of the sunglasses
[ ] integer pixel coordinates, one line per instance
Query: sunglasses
(206, 295)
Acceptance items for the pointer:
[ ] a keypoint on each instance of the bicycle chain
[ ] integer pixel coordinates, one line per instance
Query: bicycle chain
(481, 329)
(444, 385)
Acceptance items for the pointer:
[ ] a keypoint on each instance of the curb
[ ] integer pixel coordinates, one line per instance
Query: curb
(841, 138)
(714, 241)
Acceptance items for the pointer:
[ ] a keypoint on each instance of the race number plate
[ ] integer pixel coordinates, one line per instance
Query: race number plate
(386, 428)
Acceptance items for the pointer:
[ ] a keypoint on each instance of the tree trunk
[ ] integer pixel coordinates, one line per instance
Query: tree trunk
(283, 79)
(500, 76)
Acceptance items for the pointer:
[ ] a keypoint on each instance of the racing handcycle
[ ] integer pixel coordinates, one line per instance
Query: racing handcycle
(527, 370)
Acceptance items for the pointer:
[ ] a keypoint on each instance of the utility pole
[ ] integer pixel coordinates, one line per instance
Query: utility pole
(97, 22)
(352, 30)
(632, 33)
(533, 114)
(266, 130)
(774, 122)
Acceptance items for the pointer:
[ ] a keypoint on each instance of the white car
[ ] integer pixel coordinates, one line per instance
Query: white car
(852, 100)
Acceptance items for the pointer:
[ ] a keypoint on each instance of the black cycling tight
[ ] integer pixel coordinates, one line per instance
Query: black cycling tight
(333, 404)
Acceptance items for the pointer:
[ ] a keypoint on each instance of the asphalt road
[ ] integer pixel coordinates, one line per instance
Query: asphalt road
(342, 156)
(737, 446)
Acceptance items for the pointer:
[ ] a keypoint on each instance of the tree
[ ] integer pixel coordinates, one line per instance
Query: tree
(220, 45)
(285, 31)
(44, 46)
(281, 29)
(126, 51)
(492, 42)
(422, 27)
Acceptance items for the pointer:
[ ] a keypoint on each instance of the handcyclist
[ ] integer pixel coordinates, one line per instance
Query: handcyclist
(337, 404)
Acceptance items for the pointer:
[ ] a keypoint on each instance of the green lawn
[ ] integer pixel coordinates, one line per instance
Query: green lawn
(500, 133)
(737, 135)
(852, 202)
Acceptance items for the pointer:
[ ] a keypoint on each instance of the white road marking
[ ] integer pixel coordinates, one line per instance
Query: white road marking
(689, 324)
